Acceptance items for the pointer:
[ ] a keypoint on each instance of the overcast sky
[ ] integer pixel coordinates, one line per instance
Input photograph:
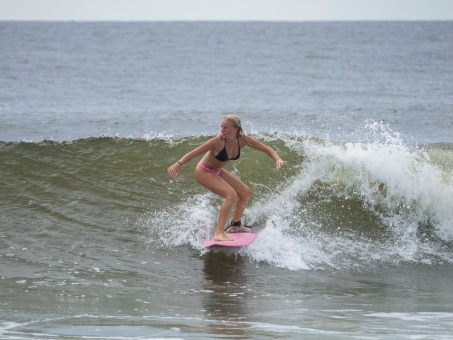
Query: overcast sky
(269, 10)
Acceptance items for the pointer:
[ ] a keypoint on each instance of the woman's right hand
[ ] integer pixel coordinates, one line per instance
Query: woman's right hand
(173, 171)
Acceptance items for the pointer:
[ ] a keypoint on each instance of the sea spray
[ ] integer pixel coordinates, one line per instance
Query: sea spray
(190, 222)
(394, 189)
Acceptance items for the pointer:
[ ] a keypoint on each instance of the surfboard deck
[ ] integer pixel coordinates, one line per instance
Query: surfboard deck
(239, 240)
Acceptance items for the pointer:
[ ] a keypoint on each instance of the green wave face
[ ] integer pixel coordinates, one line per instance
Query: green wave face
(335, 203)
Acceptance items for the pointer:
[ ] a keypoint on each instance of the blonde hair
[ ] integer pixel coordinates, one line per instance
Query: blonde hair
(233, 119)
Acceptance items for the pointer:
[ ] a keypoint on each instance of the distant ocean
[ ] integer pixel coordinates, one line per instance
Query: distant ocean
(355, 233)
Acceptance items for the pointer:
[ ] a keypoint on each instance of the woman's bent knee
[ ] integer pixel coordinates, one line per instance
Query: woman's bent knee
(245, 193)
(231, 196)
(249, 192)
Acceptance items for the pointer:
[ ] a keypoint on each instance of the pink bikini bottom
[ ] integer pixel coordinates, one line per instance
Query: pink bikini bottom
(209, 170)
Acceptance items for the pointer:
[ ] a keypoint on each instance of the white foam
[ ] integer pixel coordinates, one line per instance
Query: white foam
(398, 184)
(190, 222)
(390, 175)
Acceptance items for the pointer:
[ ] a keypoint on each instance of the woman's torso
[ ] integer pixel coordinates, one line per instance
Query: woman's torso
(218, 157)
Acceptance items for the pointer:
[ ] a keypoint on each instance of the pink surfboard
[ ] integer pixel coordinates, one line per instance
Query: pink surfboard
(239, 240)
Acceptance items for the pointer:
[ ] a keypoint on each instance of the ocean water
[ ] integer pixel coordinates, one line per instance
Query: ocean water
(355, 233)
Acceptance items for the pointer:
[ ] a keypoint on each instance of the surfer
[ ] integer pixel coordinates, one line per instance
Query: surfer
(209, 172)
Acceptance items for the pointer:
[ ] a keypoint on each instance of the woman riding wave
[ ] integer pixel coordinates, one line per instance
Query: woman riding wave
(209, 172)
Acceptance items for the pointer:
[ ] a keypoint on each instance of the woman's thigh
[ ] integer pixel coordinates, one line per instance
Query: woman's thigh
(235, 183)
(213, 183)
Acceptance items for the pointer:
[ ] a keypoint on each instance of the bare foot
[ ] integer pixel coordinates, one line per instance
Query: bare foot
(222, 237)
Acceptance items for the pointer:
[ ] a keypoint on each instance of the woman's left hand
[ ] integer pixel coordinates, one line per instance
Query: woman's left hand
(279, 163)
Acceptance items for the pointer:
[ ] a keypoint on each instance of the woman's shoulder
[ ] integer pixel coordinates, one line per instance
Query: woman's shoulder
(252, 142)
(245, 140)
(219, 138)
(216, 141)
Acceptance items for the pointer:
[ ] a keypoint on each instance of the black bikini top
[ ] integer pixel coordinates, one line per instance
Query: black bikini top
(222, 156)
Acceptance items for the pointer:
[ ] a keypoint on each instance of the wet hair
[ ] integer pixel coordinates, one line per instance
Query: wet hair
(233, 119)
